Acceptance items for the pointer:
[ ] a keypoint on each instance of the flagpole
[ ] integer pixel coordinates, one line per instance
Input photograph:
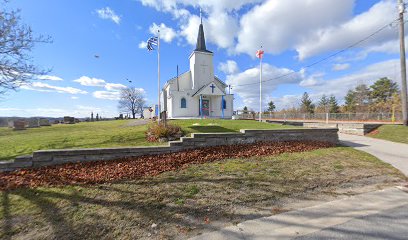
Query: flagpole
(260, 87)
(158, 73)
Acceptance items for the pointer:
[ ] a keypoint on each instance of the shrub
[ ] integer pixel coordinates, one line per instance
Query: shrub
(159, 132)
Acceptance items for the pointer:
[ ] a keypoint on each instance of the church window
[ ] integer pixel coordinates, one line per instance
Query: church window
(183, 103)
(224, 104)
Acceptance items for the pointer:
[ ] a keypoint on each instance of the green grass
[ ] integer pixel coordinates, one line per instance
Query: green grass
(394, 133)
(103, 134)
(217, 125)
(187, 202)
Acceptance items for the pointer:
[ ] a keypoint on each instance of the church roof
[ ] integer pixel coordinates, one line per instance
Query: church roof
(204, 90)
(200, 47)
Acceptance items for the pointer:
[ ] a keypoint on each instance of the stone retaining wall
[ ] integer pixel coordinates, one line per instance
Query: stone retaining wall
(197, 140)
(348, 128)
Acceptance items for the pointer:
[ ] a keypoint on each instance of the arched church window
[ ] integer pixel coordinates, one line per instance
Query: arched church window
(224, 104)
(183, 103)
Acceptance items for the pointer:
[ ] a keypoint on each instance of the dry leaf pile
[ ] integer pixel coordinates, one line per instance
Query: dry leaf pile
(136, 167)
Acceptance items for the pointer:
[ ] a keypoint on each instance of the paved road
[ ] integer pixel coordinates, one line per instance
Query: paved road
(375, 215)
(394, 153)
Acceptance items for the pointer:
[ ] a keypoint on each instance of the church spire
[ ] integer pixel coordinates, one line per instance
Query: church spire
(200, 38)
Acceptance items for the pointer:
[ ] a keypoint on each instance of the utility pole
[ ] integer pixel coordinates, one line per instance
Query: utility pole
(401, 9)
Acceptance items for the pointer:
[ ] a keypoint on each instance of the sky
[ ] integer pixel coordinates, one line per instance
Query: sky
(294, 35)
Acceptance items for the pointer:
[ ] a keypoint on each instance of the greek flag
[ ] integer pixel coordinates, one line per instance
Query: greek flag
(152, 42)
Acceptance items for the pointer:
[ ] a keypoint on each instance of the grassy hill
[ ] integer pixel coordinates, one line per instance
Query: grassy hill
(394, 133)
(104, 134)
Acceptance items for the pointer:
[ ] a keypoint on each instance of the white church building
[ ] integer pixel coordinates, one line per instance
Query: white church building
(197, 93)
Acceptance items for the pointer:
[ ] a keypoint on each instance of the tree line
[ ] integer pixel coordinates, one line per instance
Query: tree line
(383, 96)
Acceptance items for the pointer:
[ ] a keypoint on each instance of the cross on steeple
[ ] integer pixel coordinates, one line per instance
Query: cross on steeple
(212, 88)
(200, 47)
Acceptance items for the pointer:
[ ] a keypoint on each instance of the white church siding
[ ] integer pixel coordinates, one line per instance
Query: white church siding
(198, 83)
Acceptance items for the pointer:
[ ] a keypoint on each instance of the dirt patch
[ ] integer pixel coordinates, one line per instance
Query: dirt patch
(374, 132)
(133, 168)
(138, 122)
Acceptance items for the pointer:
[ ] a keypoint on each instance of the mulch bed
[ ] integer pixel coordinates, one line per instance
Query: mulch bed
(137, 167)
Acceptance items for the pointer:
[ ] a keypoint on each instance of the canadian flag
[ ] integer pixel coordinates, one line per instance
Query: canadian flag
(259, 53)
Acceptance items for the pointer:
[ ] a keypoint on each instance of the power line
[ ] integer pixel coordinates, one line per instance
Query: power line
(325, 58)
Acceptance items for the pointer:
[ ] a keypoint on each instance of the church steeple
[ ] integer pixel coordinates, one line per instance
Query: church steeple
(200, 38)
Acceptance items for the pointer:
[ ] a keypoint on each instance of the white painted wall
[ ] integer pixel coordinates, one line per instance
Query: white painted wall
(201, 73)
(202, 68)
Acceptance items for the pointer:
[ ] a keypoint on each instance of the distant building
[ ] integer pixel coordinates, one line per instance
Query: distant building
(150, 112)
(197, 93)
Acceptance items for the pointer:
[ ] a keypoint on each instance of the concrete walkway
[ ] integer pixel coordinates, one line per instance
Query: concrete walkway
(393, 153)
(375, 215)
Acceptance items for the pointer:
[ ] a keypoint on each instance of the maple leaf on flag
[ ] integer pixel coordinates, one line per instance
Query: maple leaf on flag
(259, 53)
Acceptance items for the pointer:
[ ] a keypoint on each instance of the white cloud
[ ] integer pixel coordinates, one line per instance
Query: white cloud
(88, 108)
(90, 82)
(108, 95)
(342, 35)
(108, 13)
(243, 26)
(113, 93)
(228, 67)
(250, 93)
(43, 87)
(49, 78)
(74, 97)
(368, 75)
(281, 25)
(77, 111)
(167, 34)
(220, 18)
(308, 82)
(114, 86)
(287, 101)
(340, 66)
(143, 45)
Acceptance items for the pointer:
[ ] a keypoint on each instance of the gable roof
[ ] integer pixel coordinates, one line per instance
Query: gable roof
(220, 81)
(174, 78)
(204, 89)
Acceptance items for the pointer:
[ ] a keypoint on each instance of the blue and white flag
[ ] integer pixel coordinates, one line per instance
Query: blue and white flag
(153, 41)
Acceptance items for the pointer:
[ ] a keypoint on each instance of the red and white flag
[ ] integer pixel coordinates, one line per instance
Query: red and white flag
(259, 53)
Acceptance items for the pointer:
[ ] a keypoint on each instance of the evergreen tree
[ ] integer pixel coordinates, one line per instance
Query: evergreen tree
(306, 104)
(323, 105)
(383, 89)
(271, 106)
(350, 101)
(333, 105)
(245, 109)
(362, 95)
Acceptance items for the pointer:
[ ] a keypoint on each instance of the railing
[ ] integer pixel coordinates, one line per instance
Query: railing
(327, 117)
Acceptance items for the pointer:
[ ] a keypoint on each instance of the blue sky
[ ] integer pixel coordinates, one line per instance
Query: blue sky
(293, 34)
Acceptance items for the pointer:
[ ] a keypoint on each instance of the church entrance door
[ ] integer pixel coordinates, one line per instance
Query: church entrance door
(206, 107)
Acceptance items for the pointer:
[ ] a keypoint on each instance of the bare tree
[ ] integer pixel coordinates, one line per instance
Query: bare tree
(131, 100)
(16, 42)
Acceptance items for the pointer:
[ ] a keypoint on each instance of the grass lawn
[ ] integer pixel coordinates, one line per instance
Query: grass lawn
(394, 133)
(103, 134)
(184, 203)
